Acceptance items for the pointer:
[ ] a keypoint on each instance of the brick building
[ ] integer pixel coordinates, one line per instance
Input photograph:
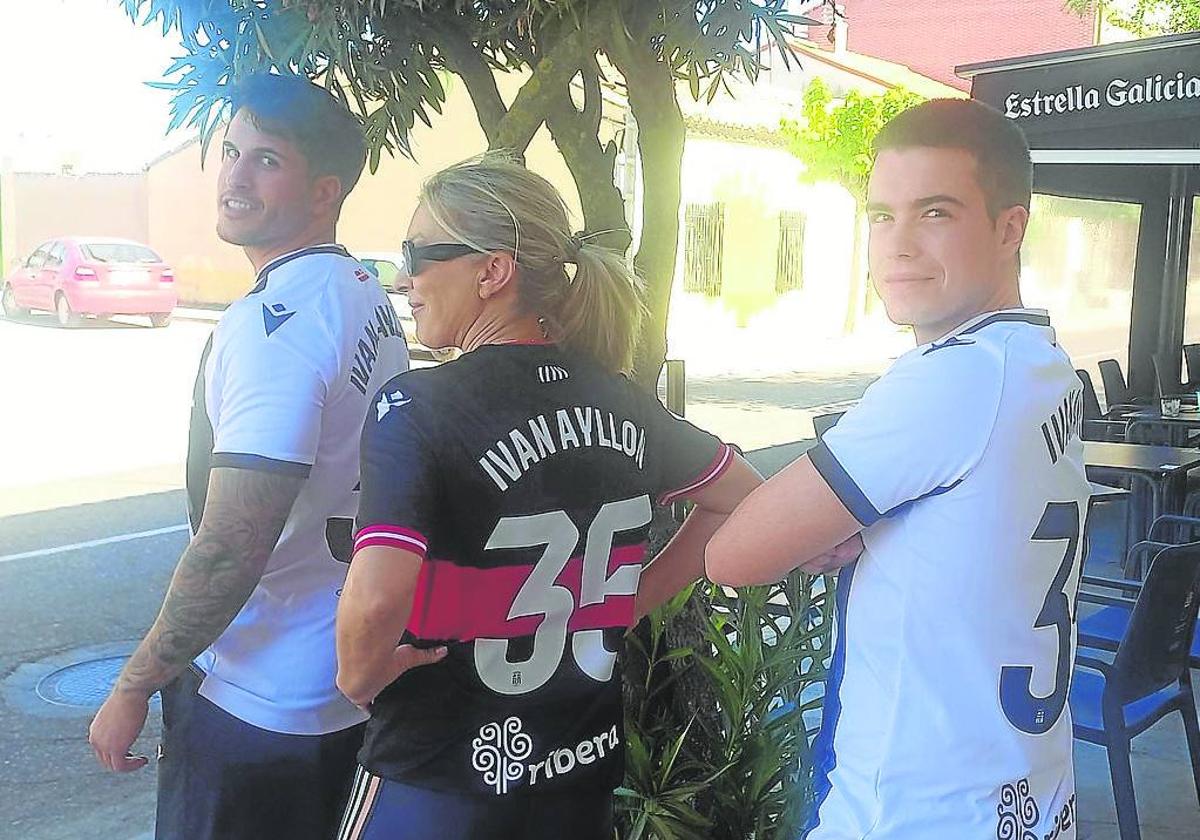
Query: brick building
(932, 36)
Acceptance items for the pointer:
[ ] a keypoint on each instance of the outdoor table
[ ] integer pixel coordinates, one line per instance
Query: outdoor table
(1178, 427)
(1160, 469)
(1105, 493)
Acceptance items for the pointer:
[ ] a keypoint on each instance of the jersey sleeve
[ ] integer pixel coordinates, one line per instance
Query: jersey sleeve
(272, 394)
(398, 470)
(683, 458)
(917, 432)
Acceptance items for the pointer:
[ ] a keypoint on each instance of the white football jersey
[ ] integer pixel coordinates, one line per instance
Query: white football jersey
(946, 712)
(284, 386)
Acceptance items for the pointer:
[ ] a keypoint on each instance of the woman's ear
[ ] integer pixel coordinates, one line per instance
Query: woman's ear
(498, 272)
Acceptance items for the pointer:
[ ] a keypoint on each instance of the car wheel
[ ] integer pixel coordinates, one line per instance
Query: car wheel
(62, 312)
(8, 300)
(160, 319)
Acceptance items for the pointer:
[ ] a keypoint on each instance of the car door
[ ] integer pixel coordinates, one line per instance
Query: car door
(25, 280)
(48, 279)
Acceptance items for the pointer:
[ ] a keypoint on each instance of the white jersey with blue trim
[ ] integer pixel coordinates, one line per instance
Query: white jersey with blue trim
(285, 384)
(946, 713)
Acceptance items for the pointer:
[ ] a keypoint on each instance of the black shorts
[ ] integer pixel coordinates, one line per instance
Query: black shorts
(382, 809)
(219, 778)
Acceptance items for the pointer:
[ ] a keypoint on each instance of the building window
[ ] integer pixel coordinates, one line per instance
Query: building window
(703, 243)
(789, 266)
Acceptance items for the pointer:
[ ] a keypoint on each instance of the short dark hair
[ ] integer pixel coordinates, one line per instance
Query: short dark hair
(307, 115)
(1001, 153)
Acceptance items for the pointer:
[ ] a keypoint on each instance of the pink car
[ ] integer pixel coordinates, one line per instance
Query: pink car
(76, 276)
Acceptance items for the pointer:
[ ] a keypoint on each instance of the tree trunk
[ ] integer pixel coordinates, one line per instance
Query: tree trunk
(660, 144)
(661, 137)
(856, 304)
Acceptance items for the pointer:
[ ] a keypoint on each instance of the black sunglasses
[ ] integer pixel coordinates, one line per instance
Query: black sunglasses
(415, 254)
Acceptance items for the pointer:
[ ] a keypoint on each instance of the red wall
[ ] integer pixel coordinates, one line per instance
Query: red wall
(932, 36)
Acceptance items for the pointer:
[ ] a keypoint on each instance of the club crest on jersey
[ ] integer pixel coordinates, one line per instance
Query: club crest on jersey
(275, 316)
(362, 275)
(387, 402)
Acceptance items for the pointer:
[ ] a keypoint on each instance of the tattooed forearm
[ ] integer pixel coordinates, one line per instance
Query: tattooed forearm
(243, 516)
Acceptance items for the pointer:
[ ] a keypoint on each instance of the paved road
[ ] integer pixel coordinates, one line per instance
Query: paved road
(105, 398)
(71, 606)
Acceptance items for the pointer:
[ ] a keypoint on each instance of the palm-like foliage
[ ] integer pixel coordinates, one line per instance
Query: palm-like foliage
(745, 772)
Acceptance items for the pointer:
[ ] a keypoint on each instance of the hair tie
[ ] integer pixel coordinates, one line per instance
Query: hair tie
(576, 240)
(574, 245)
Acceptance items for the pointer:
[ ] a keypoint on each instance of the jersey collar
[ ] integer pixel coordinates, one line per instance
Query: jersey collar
(1034, 317)
(1037, 318)
(326, 248)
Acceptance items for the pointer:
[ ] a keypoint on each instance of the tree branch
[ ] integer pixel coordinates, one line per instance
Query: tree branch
(556, 68)
(464, 59)
(591, 163)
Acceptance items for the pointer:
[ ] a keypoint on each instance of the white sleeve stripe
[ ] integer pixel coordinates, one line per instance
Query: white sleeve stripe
(717, 467)
(407, 539)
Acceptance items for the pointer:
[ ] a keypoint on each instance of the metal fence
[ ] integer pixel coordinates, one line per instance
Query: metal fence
(703, 245)
(789, 266)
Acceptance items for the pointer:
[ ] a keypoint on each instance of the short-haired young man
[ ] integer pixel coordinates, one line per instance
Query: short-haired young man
(960, 479)
(257, 740)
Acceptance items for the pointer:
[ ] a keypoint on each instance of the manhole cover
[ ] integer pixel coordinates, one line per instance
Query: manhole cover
(73, 683)
(84, 684)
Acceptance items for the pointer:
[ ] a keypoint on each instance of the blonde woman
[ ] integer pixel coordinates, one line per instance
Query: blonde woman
(506, 502)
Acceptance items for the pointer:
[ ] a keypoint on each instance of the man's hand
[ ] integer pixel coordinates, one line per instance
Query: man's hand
(243, 517)
(115, 728)
(840, 555)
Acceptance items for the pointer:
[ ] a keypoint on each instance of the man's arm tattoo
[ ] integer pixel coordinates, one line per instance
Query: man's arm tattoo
(244, 515)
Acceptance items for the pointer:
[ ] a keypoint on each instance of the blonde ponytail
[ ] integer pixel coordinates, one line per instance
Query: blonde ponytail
(601, 309)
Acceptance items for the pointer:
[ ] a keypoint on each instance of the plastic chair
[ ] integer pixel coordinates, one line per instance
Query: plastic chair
(1095, 425)
(1116, 391)
(1112, 702)
(1159, 376)
(1191, 359)
(1106, 627)
(1162, 380)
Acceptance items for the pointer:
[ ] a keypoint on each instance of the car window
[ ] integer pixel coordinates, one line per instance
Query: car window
(38, 257)
(385, 270)
(118, 252)
(55, 257)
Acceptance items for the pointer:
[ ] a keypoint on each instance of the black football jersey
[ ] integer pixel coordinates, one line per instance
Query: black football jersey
(524, 476)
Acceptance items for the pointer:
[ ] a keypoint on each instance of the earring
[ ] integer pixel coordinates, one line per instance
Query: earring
(541, 321)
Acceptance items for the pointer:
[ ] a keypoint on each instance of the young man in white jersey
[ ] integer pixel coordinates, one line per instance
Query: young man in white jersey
(257, 740)
(958, 484)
